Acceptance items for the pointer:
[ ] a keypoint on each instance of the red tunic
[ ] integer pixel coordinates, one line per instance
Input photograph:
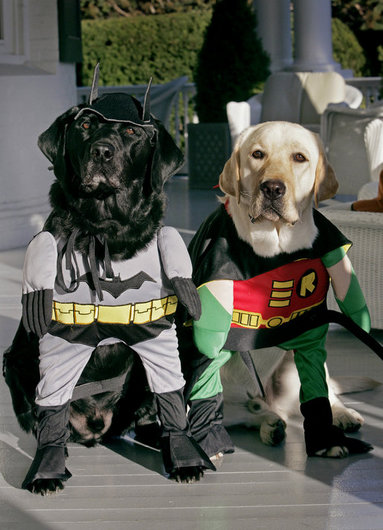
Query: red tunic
(280, 295)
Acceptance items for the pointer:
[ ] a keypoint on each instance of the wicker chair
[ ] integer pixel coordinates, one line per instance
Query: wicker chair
(365, 230)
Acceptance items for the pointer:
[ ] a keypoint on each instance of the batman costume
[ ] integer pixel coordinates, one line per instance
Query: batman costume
(251, 302)
(93, 302)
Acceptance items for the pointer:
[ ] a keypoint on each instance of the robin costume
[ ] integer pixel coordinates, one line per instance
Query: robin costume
(251, 302)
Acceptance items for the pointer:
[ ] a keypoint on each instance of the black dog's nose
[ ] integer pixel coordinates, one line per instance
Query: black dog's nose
(102, 152)
(273, 189)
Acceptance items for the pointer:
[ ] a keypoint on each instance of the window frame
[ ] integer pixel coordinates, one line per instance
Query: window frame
(13, 31)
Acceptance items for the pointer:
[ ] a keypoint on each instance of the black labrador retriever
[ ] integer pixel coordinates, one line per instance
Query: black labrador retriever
(100, 290)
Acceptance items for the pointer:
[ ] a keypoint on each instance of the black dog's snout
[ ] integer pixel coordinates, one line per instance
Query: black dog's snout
(273, 189)
(102, 152)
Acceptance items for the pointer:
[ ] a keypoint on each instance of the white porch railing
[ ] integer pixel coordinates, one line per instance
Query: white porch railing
(371, 87)
(182, 112)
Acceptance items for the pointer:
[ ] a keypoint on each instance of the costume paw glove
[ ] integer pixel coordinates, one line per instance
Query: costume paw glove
(187, 294)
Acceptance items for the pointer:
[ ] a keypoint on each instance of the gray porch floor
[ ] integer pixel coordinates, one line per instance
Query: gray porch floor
(122, 486)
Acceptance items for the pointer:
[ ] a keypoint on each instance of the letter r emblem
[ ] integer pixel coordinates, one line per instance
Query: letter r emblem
(307, 284)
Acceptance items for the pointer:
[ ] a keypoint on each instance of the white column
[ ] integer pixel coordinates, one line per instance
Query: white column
(274, 29)
(313, 36)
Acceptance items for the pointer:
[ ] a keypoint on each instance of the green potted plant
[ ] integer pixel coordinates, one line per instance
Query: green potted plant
(231, 66)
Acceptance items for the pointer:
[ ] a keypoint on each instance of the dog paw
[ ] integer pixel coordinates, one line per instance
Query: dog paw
(46, 486)
(273, 432)
(187, 475)
(352, 446)
(217, 459)
(349, 420)
(338, 451)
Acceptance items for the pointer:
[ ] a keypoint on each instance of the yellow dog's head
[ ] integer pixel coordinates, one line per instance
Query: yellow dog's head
(276, 170)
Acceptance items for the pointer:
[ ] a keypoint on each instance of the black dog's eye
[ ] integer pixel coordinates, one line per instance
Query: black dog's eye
(85, 124)
(258, 154)
(298, 157)
(129, 130)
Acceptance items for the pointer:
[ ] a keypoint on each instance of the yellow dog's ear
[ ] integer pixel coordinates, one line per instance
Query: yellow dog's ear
(230, 178)
(325, 185)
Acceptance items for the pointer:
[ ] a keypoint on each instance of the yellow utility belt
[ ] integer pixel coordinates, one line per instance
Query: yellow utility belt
(247, 319)
(139, 313)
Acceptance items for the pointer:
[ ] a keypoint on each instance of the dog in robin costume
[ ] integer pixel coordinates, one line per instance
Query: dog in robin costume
(105, 272)
(263, 262)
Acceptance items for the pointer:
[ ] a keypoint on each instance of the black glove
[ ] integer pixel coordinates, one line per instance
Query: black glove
(321, 434)
(188, 295)
(37, 311)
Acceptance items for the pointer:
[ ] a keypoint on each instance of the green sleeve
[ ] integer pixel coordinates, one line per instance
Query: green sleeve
(354, 304)
(211, 330)
(334, 256)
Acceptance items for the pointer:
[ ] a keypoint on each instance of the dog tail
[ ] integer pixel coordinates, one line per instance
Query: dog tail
(349, 384)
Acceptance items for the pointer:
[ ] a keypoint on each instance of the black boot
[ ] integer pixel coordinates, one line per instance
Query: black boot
(179, 449)
(52, 435)
(205, 419)
(321, 434)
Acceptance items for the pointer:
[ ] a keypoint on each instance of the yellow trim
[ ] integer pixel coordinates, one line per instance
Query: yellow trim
(119, 314)
(281, 294)
(279, 303)
(288, 284)
(139, 313)
(250, 320)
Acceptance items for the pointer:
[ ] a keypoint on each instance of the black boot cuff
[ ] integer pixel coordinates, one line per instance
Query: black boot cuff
(49, 462)
(181, 450)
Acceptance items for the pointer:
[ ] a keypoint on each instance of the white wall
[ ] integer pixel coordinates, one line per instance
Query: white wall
(32, 95)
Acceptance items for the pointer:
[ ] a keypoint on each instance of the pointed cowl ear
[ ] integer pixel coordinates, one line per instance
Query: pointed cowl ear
(325, 185)
(52, 141)
(167, 158)
(230, 178)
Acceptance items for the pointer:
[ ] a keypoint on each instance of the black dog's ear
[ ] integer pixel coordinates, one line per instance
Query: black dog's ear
(52, 141)
(167, 158)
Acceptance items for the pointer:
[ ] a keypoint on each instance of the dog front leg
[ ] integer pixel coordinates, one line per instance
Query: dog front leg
(48, 471)
(184, 459)
(322, 437)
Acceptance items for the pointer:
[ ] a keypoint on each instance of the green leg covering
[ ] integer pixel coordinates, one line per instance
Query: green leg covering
(209, 384)
(310, 357)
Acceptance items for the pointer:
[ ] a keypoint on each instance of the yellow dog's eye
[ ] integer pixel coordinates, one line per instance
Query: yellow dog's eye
(298, 157)
(258, 154)
(130, 131)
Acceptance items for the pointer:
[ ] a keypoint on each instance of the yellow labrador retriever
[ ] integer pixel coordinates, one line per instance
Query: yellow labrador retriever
(263, 262)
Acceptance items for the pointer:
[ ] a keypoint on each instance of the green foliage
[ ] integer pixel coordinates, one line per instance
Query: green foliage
(232, 63)
(365, 19)
(91, 9)
(346, 49)
(131, 50)
(359, 14)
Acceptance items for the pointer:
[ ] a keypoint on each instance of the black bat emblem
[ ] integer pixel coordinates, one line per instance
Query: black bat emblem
(116, 286)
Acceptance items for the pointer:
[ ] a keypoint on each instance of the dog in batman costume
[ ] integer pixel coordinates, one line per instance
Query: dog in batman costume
(105, 272)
